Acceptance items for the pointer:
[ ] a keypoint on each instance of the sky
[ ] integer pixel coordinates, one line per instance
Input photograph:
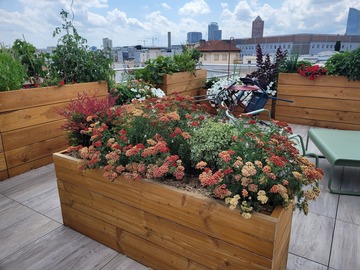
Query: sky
(147, 22)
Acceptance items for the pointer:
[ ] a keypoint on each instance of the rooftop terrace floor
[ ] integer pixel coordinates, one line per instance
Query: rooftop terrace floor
(32, 235)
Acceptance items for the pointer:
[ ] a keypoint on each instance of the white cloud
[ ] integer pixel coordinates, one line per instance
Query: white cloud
(165, 5)
(195, 7)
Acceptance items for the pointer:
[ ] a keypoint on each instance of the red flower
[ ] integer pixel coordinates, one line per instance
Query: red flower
(61, 82)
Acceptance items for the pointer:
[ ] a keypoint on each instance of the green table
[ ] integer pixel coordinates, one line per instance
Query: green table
(340, 148)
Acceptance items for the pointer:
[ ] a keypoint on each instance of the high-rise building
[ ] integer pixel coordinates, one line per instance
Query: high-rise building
(107, 43)
(213, 31)
(257, 28)
(193, 37)
(353, 22)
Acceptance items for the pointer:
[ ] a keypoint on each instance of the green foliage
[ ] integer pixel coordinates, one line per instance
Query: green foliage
(345, 64)
(208, 141)
(291, 64)
(156, 68)
(73, 62)
(34, 62)
(12, 72)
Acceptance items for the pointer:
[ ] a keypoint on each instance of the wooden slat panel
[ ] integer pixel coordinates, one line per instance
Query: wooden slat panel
(30, 117)
(25, 98)
(33, 134)
(27, 153)
(184, 241)
(155, 199)
(3, 166)
(184, 76)
(29, 166)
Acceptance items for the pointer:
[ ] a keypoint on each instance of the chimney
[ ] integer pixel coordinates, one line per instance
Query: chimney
(202, 42)
(169, 39)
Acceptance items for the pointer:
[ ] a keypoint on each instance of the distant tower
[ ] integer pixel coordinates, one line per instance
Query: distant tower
(257, 28)
(169, 39)
(353, 22)
(213, 31)
(193, 37)
(107, 43)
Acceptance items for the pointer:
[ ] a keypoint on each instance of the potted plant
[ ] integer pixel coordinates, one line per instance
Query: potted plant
(174, 74)
(322, 99)
(114, 191)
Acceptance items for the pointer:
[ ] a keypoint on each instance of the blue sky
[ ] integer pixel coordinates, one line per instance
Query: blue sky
(148, 22)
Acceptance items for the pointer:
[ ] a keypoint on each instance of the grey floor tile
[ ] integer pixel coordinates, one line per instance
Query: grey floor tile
(63, 248)
(121, 262)
(311, 237)
(351, 179)
(349, 209)
(346, 246)
(298, 263)
(19, 226)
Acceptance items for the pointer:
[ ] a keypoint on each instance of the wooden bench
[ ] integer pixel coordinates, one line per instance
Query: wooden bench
(340, 148)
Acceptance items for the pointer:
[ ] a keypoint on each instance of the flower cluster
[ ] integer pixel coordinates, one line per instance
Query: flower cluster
(135, 89)
(312, 71)
(215, 85)
(262, 167)
(146, 138)
(248, 165)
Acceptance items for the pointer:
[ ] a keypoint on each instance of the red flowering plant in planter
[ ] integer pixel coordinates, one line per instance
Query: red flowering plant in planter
(312, 71)
(248, 165)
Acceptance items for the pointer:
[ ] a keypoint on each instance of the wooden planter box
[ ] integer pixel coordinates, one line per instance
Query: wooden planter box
(30, 128)
(166, 228)
(327, 101)
(184, 83)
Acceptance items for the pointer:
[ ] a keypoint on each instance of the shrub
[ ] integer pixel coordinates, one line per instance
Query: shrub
(12, 72)
(345, 64)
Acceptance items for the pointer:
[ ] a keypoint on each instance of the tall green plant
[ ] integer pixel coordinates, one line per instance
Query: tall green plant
(12, 72)
(73, 62)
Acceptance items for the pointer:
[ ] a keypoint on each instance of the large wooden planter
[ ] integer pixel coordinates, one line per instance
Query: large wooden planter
(327, 101)
(30, 128)
(184, 83)
(166, 228)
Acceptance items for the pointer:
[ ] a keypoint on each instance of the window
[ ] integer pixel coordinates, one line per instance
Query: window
(224, 57)
(205, 56)
(216, 57)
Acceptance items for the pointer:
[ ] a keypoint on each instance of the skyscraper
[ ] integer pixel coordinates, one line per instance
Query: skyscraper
(193, 37)
(107, 43)
(257, 28)
(213, 31)
(353, 22)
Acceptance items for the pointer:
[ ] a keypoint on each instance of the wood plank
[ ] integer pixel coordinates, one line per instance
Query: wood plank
(184, 76)
(319, 114)
(340, 92)
(34, 164)
(331, 81)
(4, 175)
(323, 103)
(184, 241)
(28, 153)
(33, 134)
(26, 98)
(30, 117)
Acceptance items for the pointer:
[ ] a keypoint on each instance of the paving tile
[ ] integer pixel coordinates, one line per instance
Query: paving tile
(349, 209)
(346, 246)
(62, 248)
(311, 237)
(19, 226)
(122, 262)
(298, 263)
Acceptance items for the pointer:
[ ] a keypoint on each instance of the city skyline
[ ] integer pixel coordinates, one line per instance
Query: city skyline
(143, 23)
